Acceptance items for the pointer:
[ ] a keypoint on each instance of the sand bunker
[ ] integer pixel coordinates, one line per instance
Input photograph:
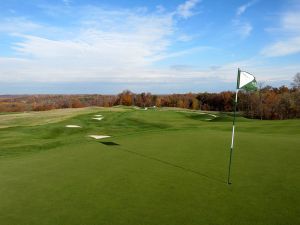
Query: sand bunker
(213, 115)
(208, 114)
(73, 126)
(97, 118)
(98, 136)
(98, 115)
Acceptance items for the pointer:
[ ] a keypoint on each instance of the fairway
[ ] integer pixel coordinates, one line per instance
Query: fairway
(158, 167)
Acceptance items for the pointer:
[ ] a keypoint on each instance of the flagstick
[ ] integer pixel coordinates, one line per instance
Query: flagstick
(233, 125)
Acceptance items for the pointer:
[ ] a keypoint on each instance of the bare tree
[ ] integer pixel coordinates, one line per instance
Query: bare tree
(296, 81)
(260, 87)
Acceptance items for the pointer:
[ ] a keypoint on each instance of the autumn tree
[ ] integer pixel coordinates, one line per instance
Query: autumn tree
(158, 102)
(76, 103)
(125, 98)
(195, 104)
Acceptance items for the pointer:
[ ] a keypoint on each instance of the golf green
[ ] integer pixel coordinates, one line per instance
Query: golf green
(160, 166)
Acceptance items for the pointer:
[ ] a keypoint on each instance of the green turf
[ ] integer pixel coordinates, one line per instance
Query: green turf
(160, 167)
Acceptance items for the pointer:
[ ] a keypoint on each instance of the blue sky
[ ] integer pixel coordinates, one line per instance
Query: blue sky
(77, 46)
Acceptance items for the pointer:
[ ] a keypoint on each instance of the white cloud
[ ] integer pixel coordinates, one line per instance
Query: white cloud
(103, 45)
(185, 38)
(283, 48)
(185, 10)
(291, 21)
(288, 35)
(240, 10)
(261, 68)
(79, 71)
(244, 29)
(160, 9)
(17, 24)
(67, 2)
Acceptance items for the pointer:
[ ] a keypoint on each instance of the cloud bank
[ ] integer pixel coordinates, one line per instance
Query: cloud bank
(102, 45)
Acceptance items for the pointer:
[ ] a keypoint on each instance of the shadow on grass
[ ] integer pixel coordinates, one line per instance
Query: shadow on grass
(109, 143)
(164, 162)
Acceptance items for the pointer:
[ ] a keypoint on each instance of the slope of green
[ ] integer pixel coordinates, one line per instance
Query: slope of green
(159, 167)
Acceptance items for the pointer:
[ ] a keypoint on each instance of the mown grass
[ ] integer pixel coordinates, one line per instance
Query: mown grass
(166, 167)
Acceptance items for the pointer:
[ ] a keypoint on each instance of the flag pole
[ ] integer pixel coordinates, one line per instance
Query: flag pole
(233, 126)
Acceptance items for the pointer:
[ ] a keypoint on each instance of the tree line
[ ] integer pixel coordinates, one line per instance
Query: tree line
(267, 103)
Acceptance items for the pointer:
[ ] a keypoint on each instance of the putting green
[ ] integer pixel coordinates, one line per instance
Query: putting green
(159, 167)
